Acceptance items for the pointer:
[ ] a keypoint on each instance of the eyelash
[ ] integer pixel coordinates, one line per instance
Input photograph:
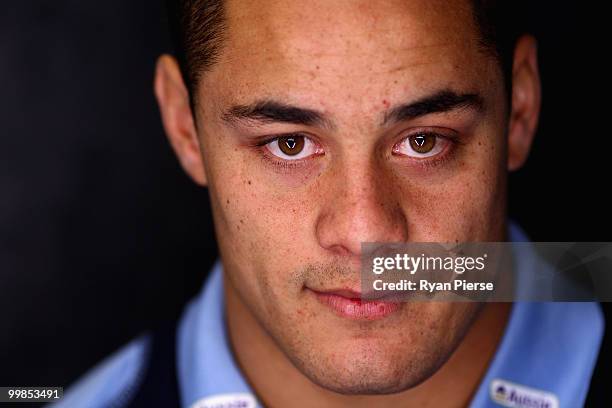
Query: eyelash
(425, 163)
(438, 159)
(278, 163)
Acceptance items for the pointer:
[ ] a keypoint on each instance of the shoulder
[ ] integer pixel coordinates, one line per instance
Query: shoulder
(112, 380)
(599, 390)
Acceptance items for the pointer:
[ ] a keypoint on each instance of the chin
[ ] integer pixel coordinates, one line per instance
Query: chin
(371, 369)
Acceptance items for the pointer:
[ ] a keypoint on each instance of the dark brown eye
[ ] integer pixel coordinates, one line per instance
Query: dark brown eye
(291, 145)
(422, 143)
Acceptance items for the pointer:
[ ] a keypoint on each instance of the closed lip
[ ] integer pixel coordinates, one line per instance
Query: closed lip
(374, 295)
(349, 303)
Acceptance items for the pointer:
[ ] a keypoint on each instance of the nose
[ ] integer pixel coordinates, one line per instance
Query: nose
(364, 205)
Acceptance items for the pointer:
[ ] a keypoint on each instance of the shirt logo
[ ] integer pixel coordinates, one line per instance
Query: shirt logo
(226, 401)
(518, 396)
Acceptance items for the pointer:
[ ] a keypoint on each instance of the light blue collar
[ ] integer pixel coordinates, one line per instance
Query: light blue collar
(548, 351)
(206, 366)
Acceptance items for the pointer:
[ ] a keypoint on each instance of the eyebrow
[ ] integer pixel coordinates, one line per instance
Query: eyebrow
(268, 111)
(440, 102)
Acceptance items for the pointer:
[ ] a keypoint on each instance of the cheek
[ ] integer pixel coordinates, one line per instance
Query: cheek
(256, 196)
(466, 204)
(250, 213)
(263, 217)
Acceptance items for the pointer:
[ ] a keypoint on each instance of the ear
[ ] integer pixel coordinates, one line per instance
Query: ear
(526, 99)
(173, 100)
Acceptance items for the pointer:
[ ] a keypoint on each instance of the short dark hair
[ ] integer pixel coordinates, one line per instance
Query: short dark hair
(197, 28)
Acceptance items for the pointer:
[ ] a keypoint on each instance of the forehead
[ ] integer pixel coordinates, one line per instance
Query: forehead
(345, 48)
(346, 24)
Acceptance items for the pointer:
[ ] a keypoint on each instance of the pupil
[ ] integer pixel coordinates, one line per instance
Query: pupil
(291, 145)
(422, 143)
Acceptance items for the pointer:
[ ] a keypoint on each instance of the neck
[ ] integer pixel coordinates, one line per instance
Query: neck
(278, 383)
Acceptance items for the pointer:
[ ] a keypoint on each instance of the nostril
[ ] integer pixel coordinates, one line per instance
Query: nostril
(339, 250)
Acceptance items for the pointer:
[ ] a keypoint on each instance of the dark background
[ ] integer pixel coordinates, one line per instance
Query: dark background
(103, 236)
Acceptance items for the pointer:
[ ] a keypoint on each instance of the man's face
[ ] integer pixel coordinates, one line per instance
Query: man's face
(391, 121)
